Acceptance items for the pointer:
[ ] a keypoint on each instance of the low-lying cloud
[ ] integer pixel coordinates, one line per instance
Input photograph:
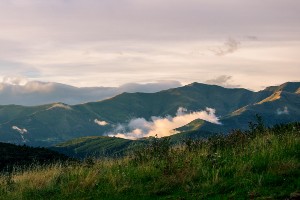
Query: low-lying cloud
(12, 85)
(161, 127)
(14, 80)
(22, 132)
(21, 91)
(101, 123)
(223, 80)
(284, 111)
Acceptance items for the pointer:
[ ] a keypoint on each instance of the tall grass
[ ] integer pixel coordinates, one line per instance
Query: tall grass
(258, 164)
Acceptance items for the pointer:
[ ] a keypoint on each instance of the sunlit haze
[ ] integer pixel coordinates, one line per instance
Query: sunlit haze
(233, 43)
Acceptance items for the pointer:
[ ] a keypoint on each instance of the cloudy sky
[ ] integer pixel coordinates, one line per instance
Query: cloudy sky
(246, 43)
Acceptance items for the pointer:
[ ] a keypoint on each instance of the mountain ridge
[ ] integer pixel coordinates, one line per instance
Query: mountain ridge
(287, 87)
(54, 123)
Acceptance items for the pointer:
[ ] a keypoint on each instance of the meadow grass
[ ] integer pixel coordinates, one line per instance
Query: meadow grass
(242, 165)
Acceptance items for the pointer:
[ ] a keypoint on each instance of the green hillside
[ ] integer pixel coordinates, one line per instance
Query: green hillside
(193, 97)
(192, 126)
(55, 123)
(108, 147)
(257, 164)
(282, 109)
(282, 106)
(100, 146)
(50, 124)
(11, 112)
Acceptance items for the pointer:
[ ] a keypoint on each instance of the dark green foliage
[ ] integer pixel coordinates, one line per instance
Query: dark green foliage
(156, 148)
(13, 156)
(258, 126)
(291, 127)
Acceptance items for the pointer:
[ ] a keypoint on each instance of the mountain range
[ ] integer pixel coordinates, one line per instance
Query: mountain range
(54, 123)
(31, 93)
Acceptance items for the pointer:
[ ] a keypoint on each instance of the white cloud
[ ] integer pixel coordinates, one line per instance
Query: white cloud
(101, 123)
(21, 85)
(20, 130)
(284, 111)
(14, 80)
(140, 127)
(223, 80)
(22, 91)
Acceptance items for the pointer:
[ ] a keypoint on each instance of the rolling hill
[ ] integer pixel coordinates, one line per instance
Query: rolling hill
(97, 146)
(55, 123)
(104, 146)
(282, 106)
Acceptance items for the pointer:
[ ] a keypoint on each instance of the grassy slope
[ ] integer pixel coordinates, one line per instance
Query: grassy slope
(104, 146)
(192, 126)
(262, 165)
(10, 112)
(100, 146)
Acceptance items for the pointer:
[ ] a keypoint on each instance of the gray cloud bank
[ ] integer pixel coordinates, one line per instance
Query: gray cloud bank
(22, 92)
(112, 42)
(223, 80)
(230, 46)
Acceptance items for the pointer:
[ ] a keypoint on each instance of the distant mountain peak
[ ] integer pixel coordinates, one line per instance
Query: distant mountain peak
(192, 126)
(60, 106)
(292, 87)
(196, 84)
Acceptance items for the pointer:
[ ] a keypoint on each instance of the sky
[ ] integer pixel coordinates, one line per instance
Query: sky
(233, 43)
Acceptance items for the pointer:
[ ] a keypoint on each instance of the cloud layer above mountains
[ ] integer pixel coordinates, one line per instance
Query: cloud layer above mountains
(20, 91)
(110, 42)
